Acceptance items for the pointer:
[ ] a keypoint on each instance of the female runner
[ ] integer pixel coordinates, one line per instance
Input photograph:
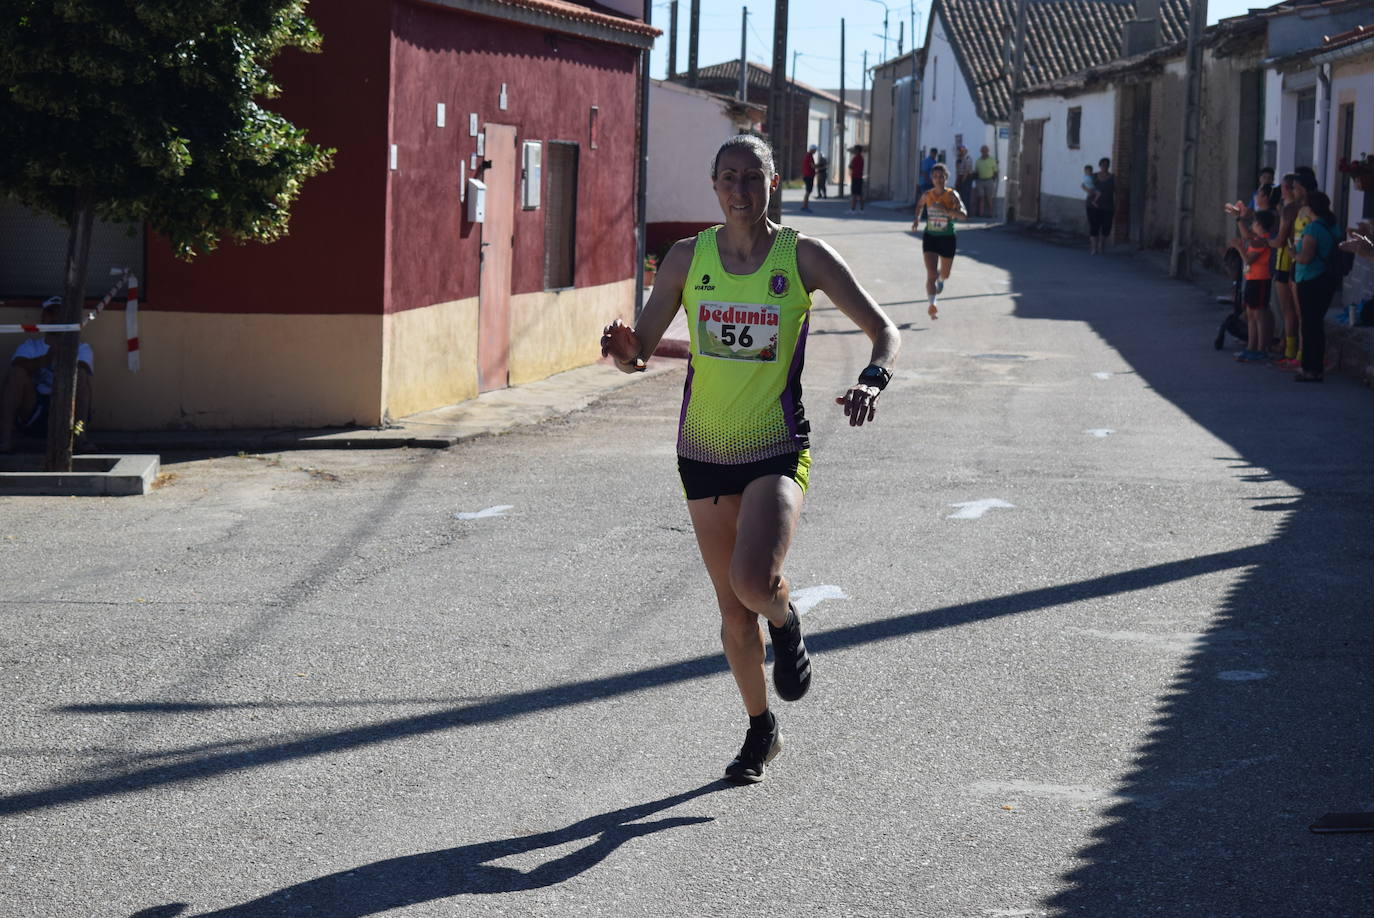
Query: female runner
(743, 449)
(942, 205)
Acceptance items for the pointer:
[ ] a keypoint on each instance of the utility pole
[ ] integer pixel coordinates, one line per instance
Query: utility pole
(1018, 66)
(642, 170)
(692, 40)
(792, 104)
(672, 39)
(901, 32)
(744, 57)
(841, 163)
(1181, 256)
(863, 102)
(777, 103)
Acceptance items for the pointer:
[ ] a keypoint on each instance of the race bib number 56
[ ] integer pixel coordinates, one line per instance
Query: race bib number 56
(738, 331)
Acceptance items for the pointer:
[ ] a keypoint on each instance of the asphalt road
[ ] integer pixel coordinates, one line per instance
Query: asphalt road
(1090, 605)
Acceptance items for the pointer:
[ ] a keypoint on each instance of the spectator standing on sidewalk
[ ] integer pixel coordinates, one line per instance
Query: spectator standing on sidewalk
(928, 163)
(1317, 280)
(1258, 200)
(1257, 228)
(986, 175)
(856, 179)
(808, 176)
(963, 172)
(822, 174)
(1294, 199)
(1102, 207)
(743, 439)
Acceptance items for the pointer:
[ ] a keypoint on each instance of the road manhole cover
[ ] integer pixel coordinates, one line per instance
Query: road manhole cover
(1001, 357)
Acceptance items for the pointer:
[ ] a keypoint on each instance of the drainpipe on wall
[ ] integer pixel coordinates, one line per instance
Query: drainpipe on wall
(1323, 119)
(641, 195)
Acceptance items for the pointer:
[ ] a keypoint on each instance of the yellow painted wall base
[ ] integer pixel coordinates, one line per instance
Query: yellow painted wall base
(556, 331)
(222, 372)
(431, 357)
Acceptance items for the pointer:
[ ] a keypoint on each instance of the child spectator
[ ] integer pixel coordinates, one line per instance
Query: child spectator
(1259, 258)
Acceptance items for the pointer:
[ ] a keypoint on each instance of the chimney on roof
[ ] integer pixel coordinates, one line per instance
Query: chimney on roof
(1143, 33)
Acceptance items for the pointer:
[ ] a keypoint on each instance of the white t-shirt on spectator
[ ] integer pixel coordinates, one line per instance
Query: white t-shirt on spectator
(37, 347)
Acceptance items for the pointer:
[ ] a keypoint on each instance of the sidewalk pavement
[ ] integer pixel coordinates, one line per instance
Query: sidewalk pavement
(1349, 349)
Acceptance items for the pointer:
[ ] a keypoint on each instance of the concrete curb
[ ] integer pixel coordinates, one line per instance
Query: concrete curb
(91, 476)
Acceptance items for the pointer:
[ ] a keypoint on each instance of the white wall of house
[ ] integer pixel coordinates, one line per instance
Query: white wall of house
(1061, 166)
(686, 127)
(1273, 114)
(947, 107)
(1352, 83)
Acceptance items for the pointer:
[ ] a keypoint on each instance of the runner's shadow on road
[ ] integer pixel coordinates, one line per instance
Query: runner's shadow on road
(466, 870)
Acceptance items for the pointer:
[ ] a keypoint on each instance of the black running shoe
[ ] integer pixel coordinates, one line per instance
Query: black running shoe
(791, 665)
(760, 747)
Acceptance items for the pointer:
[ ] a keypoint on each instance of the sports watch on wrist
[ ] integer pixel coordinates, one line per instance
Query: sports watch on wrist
(876, 376)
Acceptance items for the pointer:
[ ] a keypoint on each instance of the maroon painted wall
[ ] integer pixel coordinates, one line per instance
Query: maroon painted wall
(333, 259)
(552, 80)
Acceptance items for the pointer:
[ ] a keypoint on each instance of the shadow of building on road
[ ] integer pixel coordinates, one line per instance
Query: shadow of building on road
(398, 882)
(1267, 724)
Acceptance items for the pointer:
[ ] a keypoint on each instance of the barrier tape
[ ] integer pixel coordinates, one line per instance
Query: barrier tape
(131, 323)
(130, 316)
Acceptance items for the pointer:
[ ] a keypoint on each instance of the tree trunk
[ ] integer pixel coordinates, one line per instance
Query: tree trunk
(62, 406)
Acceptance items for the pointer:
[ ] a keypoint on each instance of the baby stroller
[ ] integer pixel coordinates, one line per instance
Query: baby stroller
(1234, 323)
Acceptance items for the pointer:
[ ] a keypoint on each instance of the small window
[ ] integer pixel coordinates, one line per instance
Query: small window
(33, 253)
(1075, 127)
(560, 214)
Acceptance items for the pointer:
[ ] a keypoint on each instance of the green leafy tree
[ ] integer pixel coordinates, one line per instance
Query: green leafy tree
(149, 111)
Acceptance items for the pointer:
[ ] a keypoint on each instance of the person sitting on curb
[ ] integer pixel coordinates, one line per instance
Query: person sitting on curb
(28, 383)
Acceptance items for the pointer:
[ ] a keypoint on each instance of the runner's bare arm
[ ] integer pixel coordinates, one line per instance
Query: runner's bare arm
(1290, 213)
(960, 210)
(631, 348)
(822, 268)
(920, 202)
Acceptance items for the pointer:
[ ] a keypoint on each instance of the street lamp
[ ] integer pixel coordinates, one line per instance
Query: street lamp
(885, 12)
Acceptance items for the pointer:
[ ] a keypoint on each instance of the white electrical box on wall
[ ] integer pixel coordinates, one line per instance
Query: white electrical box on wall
(477, 201)
(532, 157)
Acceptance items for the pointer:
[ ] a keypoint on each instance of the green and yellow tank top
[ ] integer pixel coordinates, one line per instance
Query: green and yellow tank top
(939, 216)
(1300, 222)
(742, 398)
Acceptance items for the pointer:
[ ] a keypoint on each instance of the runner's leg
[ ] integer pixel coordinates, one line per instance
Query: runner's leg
(769, 510)
(946, 264)
(715, 520)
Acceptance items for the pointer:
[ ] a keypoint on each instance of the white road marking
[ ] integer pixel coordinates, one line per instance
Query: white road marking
(1103, 375)
(1177, 641)
(499, 510)
(1242, 675)
(973, 509)
(1100, 431)
(808, 598)
(1079, 793)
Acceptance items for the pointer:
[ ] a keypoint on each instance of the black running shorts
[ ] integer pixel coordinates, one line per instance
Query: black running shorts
(707, 479)
(941, 244)
(1257, 294)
